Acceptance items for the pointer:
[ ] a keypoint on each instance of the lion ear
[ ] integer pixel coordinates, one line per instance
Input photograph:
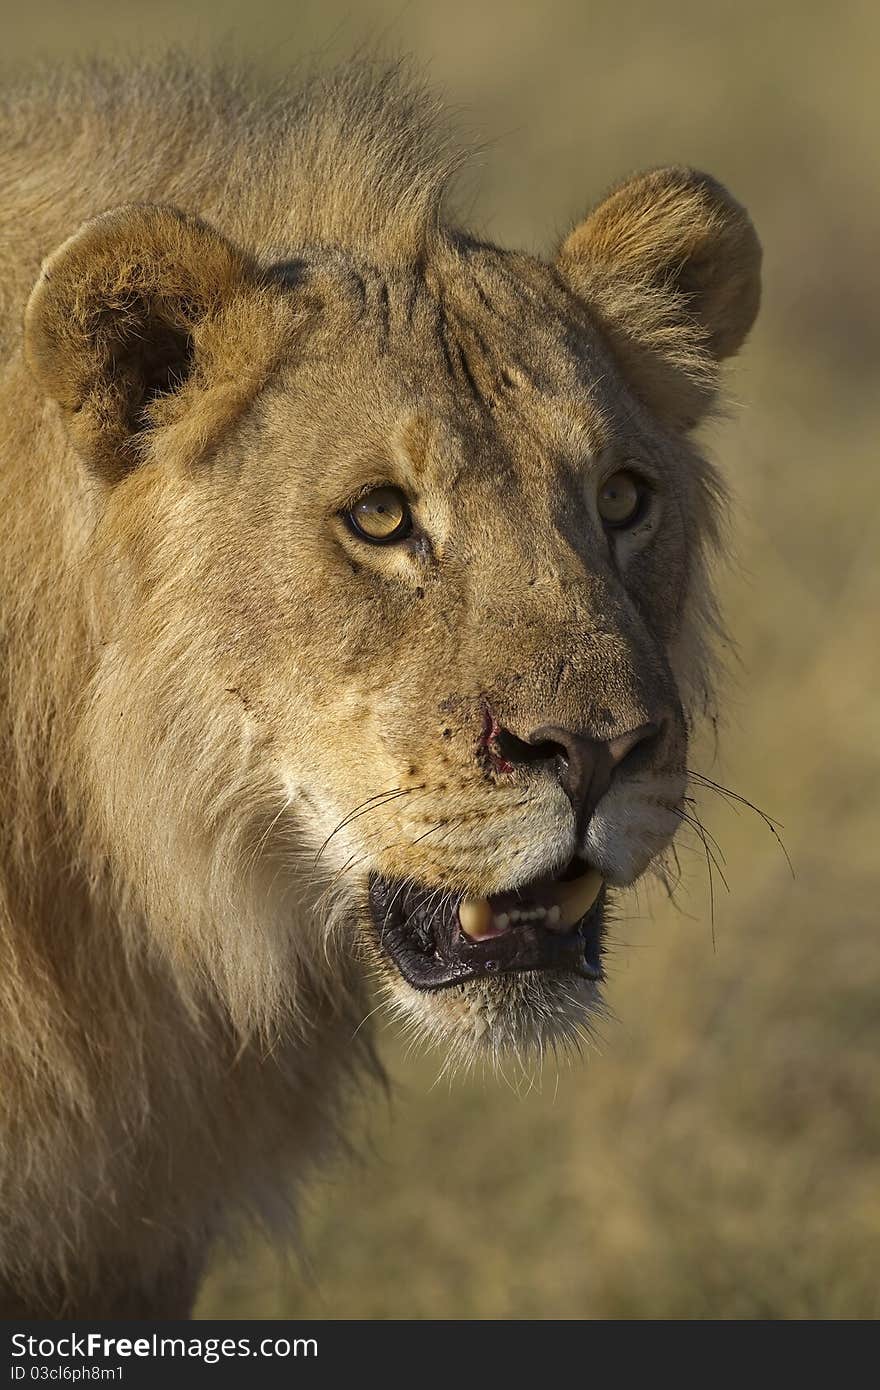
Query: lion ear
(148, 321)
(670, 264)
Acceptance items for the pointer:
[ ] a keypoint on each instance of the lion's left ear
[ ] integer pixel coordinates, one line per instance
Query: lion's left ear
(145, 321)
(670, 264)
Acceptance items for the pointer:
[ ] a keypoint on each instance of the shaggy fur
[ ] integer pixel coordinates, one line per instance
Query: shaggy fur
(219, 711)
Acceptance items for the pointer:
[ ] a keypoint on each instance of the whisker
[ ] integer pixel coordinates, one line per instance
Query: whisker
(404, 883)
(380, 799)
(696, 825)
(774, 826)
(708, 841)
(432, 831)
(260, 845)
(709, 836)
(367, 1018)
(711, 861)
(350, 862)
(734, 796)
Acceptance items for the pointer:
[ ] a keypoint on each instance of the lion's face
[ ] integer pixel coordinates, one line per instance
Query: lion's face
(446, 562)
(407, 680)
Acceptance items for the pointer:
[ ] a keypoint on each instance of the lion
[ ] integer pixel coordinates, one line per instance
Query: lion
(356, 610)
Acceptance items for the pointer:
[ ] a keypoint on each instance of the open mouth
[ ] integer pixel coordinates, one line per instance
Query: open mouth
(437, 938)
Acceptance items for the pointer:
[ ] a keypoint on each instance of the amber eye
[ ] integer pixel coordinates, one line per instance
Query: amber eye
(381, 516)
(620, 499)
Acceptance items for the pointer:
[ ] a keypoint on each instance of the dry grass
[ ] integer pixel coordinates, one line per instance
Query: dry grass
(720, 1157)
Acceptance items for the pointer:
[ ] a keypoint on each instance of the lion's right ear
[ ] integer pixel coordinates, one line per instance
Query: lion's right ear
(149, 322)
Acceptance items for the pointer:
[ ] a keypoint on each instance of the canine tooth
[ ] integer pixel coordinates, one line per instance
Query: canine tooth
(553, 916)
(475, 916)
(577, 897)
(501, 920)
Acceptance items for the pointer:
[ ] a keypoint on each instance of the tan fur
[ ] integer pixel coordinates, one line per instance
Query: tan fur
(251, 307)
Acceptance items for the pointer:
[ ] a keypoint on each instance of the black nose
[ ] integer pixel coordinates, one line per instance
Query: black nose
(586, 765)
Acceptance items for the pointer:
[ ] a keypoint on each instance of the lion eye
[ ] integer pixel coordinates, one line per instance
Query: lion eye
(381, 516)
(620, 499)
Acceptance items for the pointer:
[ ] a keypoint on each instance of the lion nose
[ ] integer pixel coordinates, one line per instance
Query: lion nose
(585, 765)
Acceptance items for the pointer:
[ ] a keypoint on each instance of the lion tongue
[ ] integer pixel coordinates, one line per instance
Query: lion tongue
(558, 907)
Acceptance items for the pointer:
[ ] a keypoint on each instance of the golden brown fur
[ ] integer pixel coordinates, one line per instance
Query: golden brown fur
(202, 675)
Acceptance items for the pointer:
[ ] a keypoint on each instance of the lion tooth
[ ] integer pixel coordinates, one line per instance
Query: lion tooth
(575, 898)
(565, 903)
(475, 916)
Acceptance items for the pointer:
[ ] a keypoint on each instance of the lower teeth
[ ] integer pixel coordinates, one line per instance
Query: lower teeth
(574, 898)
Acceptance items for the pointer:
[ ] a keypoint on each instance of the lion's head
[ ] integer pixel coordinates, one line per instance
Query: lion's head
(397, 582)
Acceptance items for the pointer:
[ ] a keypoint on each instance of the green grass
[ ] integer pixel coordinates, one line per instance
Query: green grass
(719, 1156)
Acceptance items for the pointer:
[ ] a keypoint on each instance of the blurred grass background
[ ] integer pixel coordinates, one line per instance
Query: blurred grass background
(718, 1157)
